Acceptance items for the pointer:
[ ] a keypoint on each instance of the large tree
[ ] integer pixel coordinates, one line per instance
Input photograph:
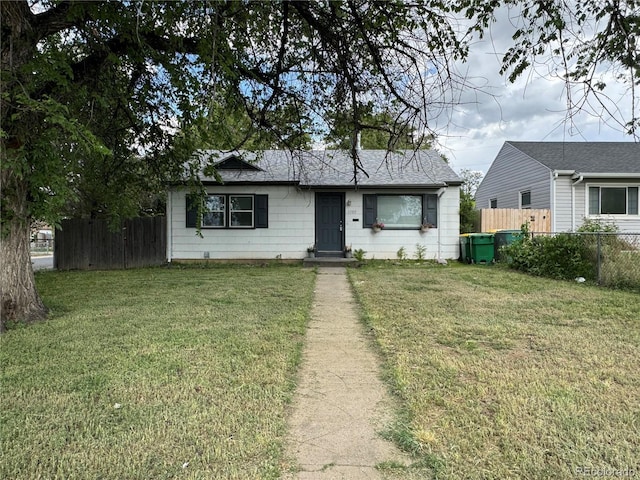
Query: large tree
(469, 216)
(376, 130)
(112, 84)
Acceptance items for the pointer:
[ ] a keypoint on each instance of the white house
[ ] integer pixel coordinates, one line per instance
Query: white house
(575, 180)
(277, 205)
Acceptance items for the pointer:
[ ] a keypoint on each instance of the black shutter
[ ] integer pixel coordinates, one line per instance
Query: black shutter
(370, 203)
(261, 212)
(431, 209)
(192, 211)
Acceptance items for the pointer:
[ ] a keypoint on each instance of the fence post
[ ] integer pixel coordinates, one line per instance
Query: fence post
(599, 248)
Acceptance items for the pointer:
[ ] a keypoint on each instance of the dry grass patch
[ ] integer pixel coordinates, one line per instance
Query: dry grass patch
(154, 373)
(504, 375)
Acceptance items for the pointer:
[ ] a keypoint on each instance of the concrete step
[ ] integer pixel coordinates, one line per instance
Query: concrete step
(329, 262)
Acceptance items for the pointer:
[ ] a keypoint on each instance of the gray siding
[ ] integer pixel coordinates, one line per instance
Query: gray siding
(513, 172)
(625, 223)
(571, 204)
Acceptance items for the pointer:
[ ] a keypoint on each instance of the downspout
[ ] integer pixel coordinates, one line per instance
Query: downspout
(169, 225)
(573, 202)
(554, 178)
(440, 192)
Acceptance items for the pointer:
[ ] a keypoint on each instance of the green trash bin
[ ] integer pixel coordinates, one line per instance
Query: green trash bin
(465, 248)
(501, 239)
(481, 247)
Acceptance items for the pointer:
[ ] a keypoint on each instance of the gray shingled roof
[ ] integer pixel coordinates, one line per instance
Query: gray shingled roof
(585, 157)
(334, 168)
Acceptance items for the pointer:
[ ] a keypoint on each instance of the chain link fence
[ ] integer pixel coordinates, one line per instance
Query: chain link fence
(42, 246)
(608, 259)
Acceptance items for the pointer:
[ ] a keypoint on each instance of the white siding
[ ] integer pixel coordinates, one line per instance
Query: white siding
(292, 225)
(513, 172)
(290, 232)
(441, 242)
(561, 216)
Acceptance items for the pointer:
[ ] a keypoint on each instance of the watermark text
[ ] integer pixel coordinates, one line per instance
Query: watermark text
(604, 472)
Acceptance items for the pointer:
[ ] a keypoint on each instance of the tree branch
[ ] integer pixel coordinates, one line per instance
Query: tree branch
(377, 57)
(56, 19)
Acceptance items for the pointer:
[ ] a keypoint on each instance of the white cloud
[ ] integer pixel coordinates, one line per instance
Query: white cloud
(534, 108)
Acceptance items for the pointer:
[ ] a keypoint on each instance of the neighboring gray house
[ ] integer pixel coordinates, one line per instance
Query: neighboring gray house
(277, 204)
(575, 180)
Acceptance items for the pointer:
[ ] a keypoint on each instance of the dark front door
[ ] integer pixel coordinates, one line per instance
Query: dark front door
(329, 224)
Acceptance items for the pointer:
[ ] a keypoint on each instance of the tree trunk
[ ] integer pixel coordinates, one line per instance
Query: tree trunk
(20, 299)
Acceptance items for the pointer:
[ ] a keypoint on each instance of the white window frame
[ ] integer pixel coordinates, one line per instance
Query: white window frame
(371, 214)
(223, 211)
(231, 211)
(227, 211)
(520, 194)
(491, 200)
(394, 226)
(587, 205)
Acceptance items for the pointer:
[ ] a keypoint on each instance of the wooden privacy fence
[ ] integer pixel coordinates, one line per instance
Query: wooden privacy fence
(83, 244)
(539, 220)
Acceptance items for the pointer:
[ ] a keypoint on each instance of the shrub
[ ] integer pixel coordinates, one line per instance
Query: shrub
(564, 256)
(359, 254)
(597, 225)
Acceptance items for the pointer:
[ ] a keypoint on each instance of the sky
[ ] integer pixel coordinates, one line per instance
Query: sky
(531, 109)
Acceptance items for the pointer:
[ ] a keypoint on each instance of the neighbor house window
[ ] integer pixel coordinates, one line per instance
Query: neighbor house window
(493, 203)
(401, 211)
(613, 200)
(525, 199)
(228, 211)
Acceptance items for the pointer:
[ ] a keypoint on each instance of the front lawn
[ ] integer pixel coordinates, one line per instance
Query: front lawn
(188, 372)
(154, 373)
(503, 375)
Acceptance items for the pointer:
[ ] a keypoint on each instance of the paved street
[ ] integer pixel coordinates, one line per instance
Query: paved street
(44, 262)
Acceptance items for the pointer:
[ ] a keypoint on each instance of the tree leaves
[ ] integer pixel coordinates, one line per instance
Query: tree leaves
(259, 74)
(584, 43)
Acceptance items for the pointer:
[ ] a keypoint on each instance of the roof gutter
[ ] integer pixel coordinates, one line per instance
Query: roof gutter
(402, 186)
(580, 175)
(249, 182)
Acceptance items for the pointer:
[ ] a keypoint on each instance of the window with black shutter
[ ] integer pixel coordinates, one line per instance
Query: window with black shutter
(232, 211)
(400, 211)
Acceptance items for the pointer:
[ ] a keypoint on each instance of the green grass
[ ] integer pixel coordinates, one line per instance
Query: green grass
(188, 372)
(621, 269)
(154, 373)
(504, 375)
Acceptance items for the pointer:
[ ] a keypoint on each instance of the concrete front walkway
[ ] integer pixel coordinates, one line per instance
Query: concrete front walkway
(340, 404)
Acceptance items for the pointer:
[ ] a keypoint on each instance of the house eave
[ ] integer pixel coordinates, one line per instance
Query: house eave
(605, 175)
(403, 186)
(246, 182)
(413, 185)
(348, 186)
